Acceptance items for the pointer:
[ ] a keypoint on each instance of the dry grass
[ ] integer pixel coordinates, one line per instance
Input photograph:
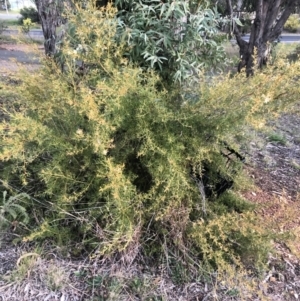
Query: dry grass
(51, 278)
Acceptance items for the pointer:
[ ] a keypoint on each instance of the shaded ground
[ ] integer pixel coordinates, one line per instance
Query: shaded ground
(9, 53)
(12, 55)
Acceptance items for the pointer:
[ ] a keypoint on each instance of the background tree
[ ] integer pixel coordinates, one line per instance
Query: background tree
(270, 17)
(50, 13)
(178, 38)
(6, 5)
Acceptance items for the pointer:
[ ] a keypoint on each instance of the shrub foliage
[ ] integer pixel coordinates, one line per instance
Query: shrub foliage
(293, 23)
(29, 13)
(114, 161)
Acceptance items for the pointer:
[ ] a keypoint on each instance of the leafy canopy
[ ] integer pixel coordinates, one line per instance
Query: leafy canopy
(176, 38)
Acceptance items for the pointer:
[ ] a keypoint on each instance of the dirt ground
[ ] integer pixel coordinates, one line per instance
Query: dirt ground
(275, 165)
(275, 168)
(13, 55)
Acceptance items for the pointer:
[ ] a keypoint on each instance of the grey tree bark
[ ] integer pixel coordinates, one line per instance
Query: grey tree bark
(50, 16)
(6, 7)
(270, 17)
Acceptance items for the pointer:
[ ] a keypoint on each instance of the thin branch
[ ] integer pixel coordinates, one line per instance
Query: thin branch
(241, 42)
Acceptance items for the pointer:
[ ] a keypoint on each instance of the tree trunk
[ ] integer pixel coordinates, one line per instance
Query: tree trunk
(50, 15)
(6, 8)
(270, 17)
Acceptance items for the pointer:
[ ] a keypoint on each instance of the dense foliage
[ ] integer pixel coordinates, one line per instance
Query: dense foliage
(177, 38)
(115, 162)
(29, 13)
(292, 24)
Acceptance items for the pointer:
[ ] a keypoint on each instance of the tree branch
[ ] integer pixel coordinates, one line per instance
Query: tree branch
(240, 41)
(272, 14)
(289, 7)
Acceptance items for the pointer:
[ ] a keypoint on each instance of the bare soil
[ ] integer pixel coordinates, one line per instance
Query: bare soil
(12, 56)
(275, 168)
(276, 165)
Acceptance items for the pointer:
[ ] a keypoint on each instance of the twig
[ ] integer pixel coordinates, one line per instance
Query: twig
(2, 288)
(202, 192)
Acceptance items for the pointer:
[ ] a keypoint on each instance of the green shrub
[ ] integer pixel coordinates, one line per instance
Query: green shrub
(292, 24)
(292, 53)
(29, 13)
(232, 238)
(277, 138)
(116, 160)
(12, 209)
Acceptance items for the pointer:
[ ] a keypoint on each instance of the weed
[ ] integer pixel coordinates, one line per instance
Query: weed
(55, 277)
(25, 266)
(233, 292)
(12, 211)
(178, 272)
(26, 26)
(277, 138)
(114, 155)
(136, 285)
(231, 202)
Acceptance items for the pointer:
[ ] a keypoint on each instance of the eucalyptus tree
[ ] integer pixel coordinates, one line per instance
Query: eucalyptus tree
(50, 13)
(6, 5)
(266, 28)
(176, 38)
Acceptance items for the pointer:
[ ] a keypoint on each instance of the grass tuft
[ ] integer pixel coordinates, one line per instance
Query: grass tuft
(277, 138)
